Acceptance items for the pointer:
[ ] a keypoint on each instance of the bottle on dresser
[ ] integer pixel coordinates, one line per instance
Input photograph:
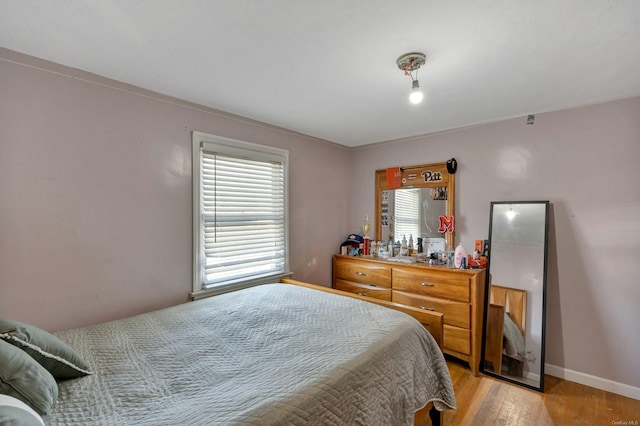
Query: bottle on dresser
(460, 255)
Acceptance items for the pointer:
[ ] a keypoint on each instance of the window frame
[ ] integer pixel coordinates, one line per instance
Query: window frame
(237, 148)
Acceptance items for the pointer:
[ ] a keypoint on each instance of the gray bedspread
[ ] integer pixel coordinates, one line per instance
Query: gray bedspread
(274, 354)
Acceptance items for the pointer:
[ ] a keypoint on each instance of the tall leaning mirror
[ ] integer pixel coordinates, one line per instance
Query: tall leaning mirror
(514, 324)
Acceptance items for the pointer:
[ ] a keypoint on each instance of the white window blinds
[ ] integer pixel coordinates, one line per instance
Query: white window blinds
(242, 230)
(407, 213)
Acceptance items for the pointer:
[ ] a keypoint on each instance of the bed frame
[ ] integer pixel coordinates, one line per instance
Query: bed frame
(432, 321)
(514, 302)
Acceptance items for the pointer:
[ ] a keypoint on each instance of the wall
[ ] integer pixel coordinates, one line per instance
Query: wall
(585, 161)
(95, 195)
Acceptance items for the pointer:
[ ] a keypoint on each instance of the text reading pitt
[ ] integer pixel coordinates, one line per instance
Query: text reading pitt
(430, 176)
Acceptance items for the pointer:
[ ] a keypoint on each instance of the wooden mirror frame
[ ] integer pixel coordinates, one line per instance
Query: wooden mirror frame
(421, 176)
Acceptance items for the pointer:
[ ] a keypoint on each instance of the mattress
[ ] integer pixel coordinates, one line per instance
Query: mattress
(274, 354)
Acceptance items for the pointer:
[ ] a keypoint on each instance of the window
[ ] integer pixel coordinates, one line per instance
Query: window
(240, 214)
(407, 213)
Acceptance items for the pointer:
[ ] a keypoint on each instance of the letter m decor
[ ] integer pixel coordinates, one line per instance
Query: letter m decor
(446, 224)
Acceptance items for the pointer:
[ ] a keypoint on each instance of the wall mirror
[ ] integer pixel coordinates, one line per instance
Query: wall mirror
(514, 323)
(410, 200)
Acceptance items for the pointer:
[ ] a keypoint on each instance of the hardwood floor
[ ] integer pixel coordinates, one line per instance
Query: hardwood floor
(484, 400)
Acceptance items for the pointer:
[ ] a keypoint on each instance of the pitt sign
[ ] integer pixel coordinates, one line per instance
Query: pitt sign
(430, 176)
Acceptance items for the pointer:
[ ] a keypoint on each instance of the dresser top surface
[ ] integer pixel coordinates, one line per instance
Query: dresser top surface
(397, 264)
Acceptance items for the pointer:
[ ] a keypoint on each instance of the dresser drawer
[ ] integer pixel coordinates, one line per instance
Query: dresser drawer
(455, 313)
(382, 293)
(442, 284)
(457, 339)
(362, 272)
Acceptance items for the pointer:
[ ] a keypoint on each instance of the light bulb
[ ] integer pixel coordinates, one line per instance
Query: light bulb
(510, 213)
(416, 95)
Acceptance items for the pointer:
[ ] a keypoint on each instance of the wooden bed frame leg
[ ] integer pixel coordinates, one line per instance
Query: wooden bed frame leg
(435, 416)
(428, 416)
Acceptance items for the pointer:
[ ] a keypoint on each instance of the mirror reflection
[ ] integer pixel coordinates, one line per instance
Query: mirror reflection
(515, 310)
(413, 211)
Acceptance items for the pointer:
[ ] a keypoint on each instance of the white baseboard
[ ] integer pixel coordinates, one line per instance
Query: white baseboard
(593, 381)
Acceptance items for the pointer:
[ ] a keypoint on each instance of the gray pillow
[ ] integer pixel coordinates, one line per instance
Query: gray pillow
(54, 355)
(14, 412)
(23, 378)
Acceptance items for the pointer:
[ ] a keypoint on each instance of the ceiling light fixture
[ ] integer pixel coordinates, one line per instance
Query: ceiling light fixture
(410, 63)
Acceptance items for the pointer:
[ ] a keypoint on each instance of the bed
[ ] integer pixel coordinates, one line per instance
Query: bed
(275, 354)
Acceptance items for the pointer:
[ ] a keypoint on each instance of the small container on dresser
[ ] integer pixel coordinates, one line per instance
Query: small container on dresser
(457, 294)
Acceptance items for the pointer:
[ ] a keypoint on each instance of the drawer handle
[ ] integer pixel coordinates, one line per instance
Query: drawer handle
(427, 309)
(361, 294)
(427, 284)
(361, 274)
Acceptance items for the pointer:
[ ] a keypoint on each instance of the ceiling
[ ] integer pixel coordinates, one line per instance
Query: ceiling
(328, 68)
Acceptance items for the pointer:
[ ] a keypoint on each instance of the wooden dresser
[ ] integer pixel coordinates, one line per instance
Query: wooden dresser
(458, 294)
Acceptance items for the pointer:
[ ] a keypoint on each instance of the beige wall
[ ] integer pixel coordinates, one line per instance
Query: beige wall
(586, 162)
(95, 195)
